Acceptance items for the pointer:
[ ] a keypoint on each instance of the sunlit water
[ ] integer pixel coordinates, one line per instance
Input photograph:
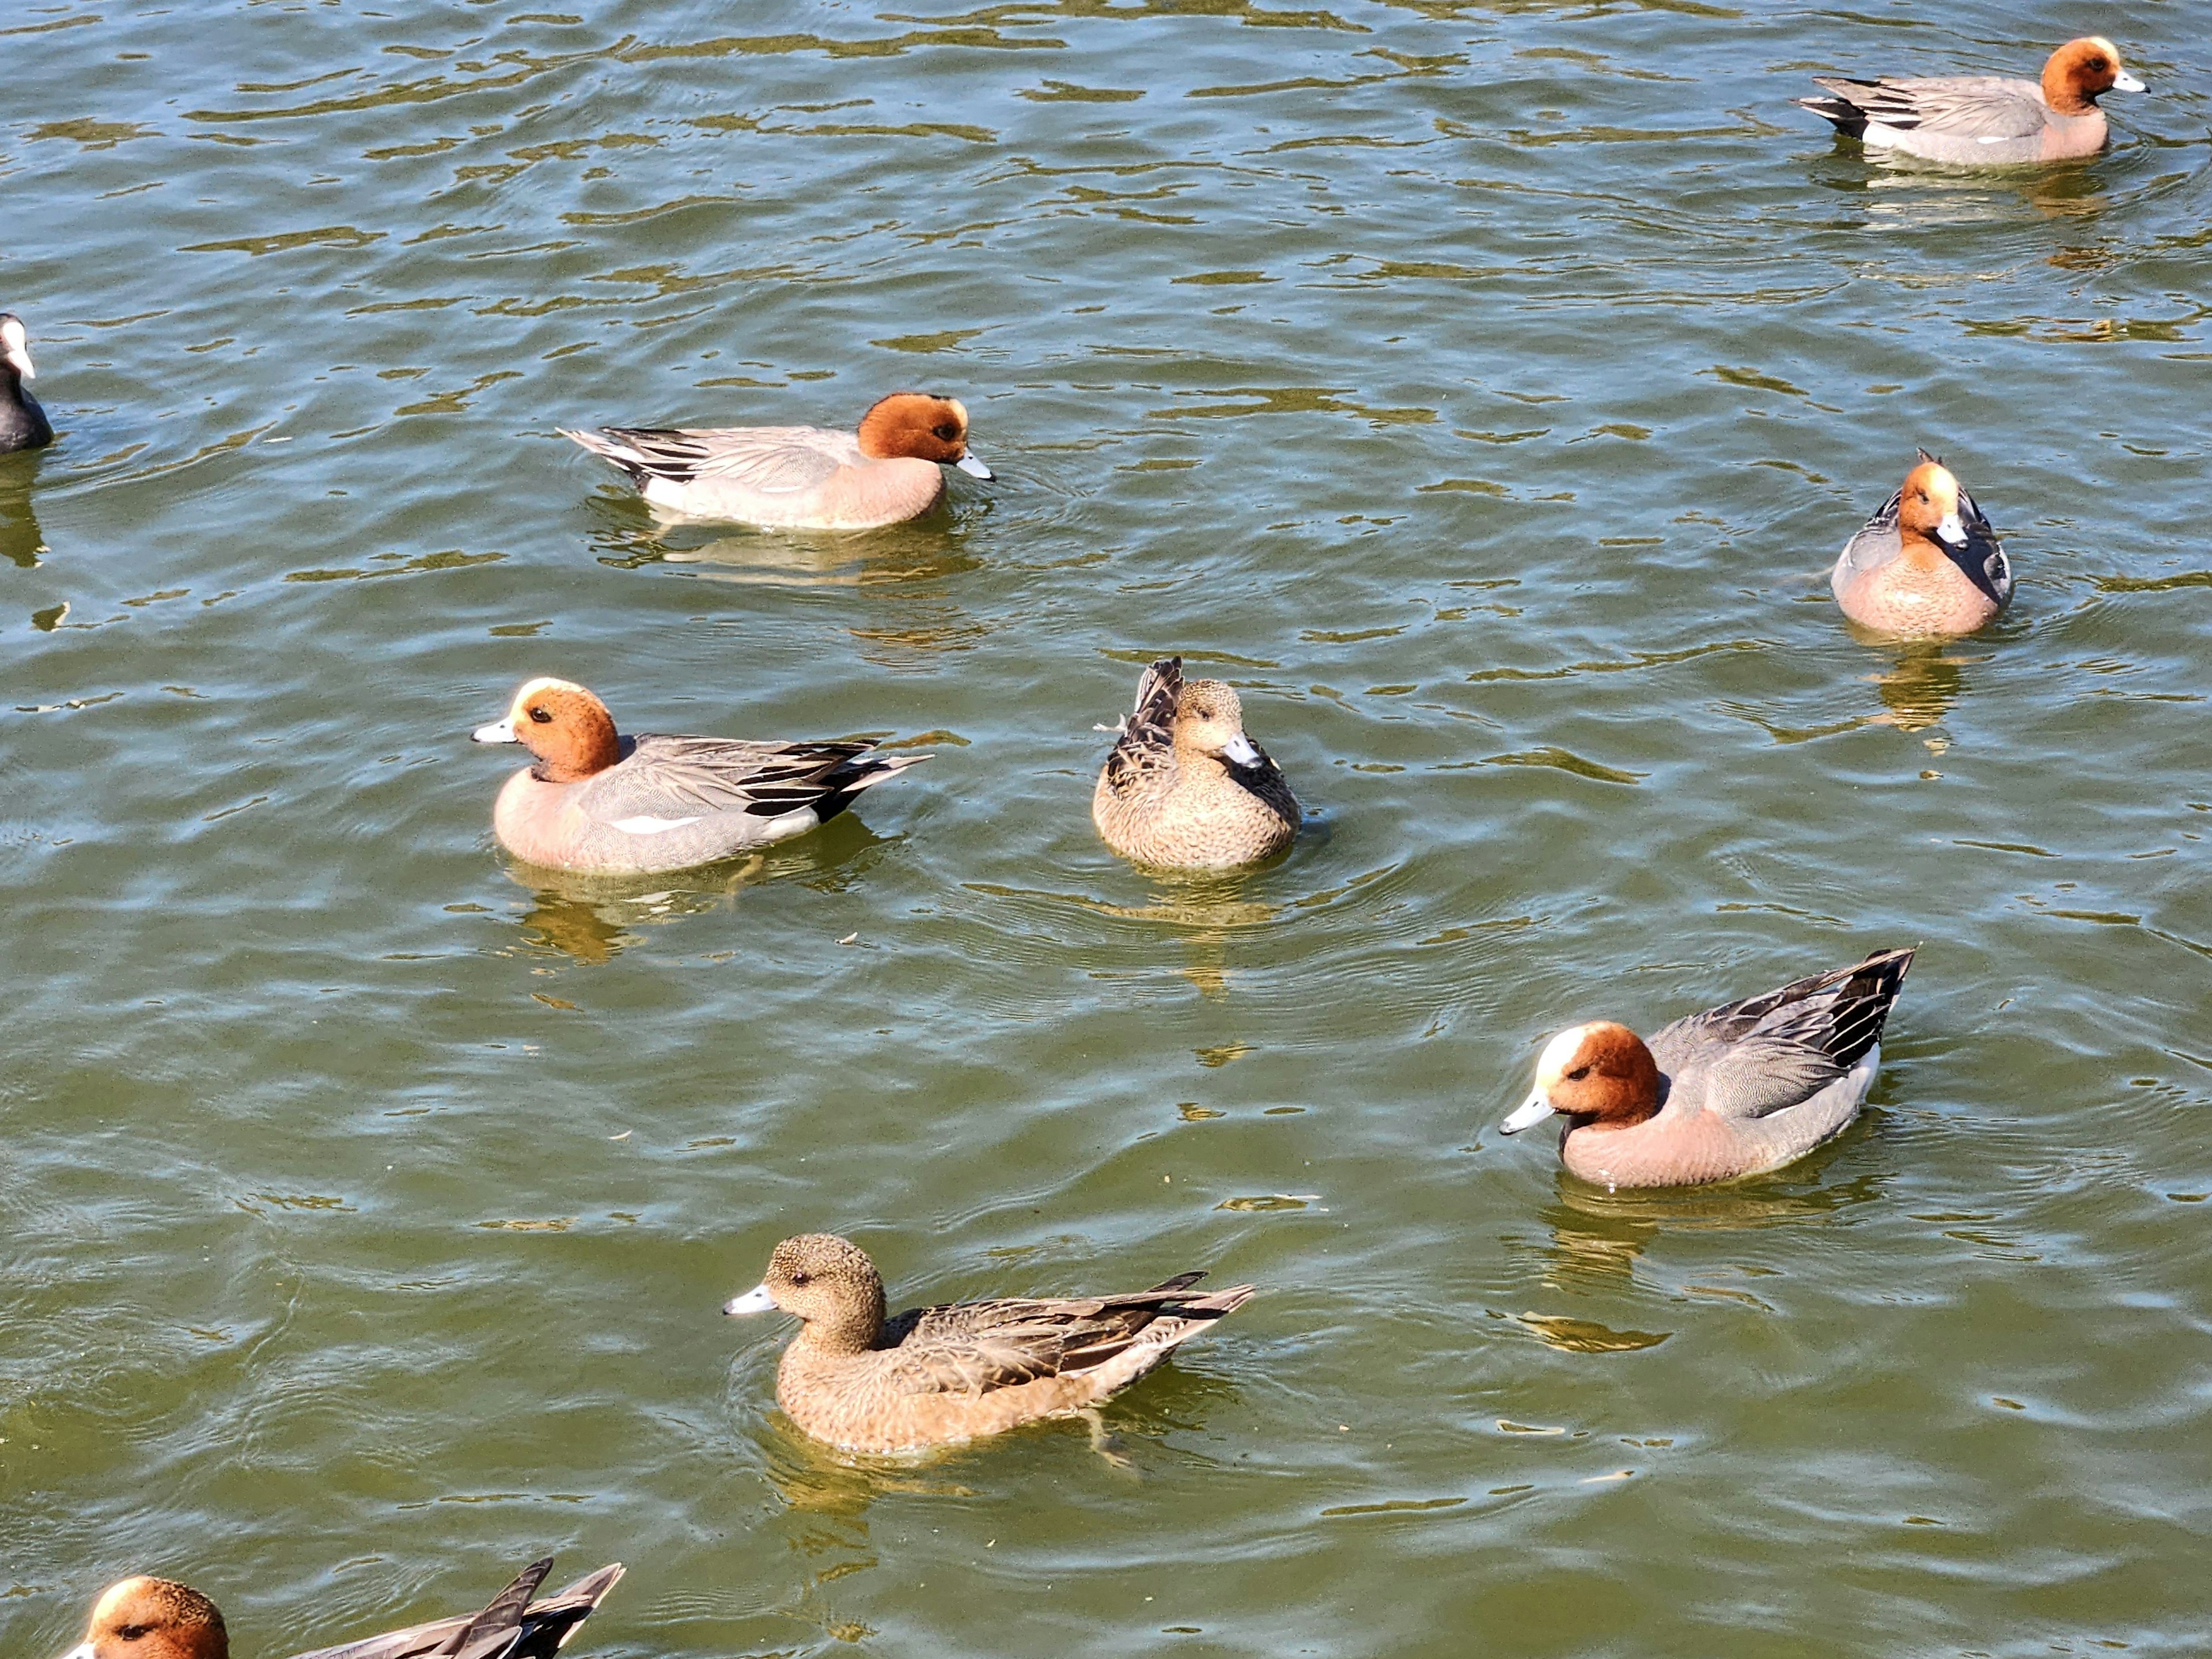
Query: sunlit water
(1484, 391)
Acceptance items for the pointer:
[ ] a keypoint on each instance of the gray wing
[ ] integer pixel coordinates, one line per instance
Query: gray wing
(670, 777)
(1985, 107)
(1764, 1054)
(512, 1625)
(773, 459)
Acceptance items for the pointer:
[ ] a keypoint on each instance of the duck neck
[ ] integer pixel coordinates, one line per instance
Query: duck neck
(1920, 550)
(850, 1330)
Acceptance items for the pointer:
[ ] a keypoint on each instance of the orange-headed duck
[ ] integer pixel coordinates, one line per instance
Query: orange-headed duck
(1927, 563)
(1183, 787)
(597, 800)
(1984, 121)
(23, 424)
(934, 1377)
(160, 1618)
(1735, 1091)
(800, 476)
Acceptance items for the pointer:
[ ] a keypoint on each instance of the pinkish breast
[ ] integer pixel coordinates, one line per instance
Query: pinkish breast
(879, 492)
(2065, 137)
(538, 822)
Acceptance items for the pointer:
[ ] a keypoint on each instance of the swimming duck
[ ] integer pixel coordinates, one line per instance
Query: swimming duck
(1984, 119)
(1927, 563)
(1183, 787)
(800, 476)
(23, 424)
(596, 801)
(934, 1377)
(160, 1618)
(1735, 1091)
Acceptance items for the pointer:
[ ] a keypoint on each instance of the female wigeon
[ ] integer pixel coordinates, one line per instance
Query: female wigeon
(1984, 121)
(1928, 563)
(1735, 1091)
(934, 1377)
(800, 476)
(23, 424)
(596, 801)
(1183, 787)
(160, 1618)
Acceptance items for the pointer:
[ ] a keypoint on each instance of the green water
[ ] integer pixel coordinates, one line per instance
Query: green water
(1483, 390)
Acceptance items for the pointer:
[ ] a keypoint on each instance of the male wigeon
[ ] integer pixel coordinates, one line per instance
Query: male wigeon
(1183, 787)
(800, 476)
(1737, 1089)
(23, 424)
(934, 1377)
(160, 1618)
(1928, 563)
(596, 801)
(1984, 121)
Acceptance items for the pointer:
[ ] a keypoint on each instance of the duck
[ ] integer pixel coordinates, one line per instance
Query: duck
(1183, 787)
(1927, 564)
(941, 1376)
(887, 471)
(596, 800)
(23, 424)
(1984, 120)
(1736, 1090)
(144, 1618)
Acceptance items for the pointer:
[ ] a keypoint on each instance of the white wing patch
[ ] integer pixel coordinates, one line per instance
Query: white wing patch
(645, 824)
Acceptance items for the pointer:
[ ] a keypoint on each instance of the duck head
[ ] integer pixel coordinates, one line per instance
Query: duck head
(923, 426)
(153, 1619)
(567, 727)
(827, 1281)
(1210, 720)
(2079, 71)
(1598, 1073)
(16, 345)
(1927, 504)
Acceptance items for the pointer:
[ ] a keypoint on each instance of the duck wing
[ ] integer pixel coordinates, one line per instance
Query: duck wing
(1264, 779)
(512, 1627)
(1144, 741)
(667, 778)
(772, 459)
(1982, 557)
(1989, 108)
(1767, 1052)
(973, 1348)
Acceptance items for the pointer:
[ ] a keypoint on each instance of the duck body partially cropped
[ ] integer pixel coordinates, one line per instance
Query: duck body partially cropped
(1984, 120)
(596, 800)
(937, 1377)
(144, 1618)
(887, 471)
(1183, 787)
(1927, 563)
(1736, 1090)
(23, 424)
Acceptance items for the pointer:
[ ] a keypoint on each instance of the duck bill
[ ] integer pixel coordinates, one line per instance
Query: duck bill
(1533, 1111)
(497, 732)
(18, 359)
(1242, 750)
(2124, 81)
(756, 1300)
(974, 468)
(82, 1650)
(1953, 531)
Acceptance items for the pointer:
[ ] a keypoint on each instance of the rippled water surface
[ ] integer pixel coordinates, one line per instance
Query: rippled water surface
(1482, 389)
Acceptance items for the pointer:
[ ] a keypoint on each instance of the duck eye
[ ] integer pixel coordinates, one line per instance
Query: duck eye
(948, 432)
(131, 1632)
(802, 1278)
(1578, 1074)
(541, 717)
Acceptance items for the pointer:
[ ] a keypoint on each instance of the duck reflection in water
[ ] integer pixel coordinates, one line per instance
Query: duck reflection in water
(20, 540)
(593, 919)
(1925, 681)
(1597, 1237)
